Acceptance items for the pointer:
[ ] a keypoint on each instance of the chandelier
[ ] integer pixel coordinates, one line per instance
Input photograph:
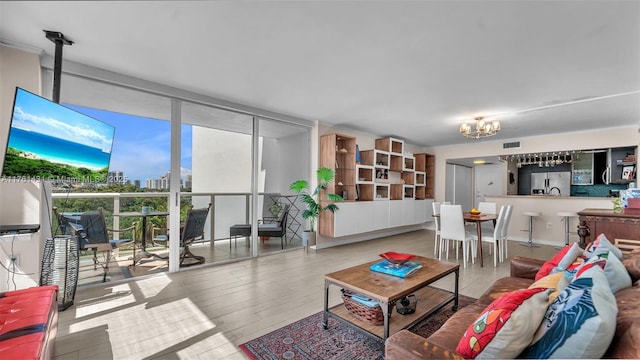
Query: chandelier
(483, 128)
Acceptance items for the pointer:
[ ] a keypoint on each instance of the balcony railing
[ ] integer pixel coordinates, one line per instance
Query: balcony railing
(227, 208)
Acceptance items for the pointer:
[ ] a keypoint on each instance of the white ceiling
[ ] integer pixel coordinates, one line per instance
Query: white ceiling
(409, 69)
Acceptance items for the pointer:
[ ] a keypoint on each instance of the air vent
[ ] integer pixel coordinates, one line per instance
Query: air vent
(511, 145)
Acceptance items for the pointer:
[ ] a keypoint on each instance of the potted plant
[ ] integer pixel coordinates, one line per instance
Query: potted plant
(275, 208)
(313, 202)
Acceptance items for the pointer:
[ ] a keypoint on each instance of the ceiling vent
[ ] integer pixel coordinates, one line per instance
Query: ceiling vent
(511, 145)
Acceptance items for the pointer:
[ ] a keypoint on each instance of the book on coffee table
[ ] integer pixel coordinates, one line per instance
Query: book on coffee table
(404, 270)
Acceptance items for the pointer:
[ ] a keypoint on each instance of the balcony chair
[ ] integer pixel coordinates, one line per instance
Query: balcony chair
(268, 226)
(192, 230)
(275, 227)
(92, 232)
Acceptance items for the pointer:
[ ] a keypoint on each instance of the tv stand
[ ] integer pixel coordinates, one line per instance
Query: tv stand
(19, 229)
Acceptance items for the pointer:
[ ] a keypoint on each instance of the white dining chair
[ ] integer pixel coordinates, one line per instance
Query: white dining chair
(452, 228)
(505, 233)
(487, 208)
(495, 237)
(436, 211)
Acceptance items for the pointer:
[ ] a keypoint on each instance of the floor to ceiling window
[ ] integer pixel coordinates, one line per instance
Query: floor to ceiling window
(233, 160)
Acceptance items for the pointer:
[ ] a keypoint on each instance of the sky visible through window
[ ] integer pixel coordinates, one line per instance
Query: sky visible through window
(142, 146)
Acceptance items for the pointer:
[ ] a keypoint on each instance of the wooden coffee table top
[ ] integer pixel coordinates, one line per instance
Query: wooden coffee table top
(388, 287)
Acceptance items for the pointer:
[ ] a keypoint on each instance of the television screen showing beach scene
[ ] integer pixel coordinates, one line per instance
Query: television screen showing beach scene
(48, 141)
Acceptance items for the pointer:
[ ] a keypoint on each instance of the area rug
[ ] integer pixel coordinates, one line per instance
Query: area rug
(307, 339)
(433, 322)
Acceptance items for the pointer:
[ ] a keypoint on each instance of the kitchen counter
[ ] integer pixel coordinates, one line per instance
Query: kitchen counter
(548, 228)
(553, 197)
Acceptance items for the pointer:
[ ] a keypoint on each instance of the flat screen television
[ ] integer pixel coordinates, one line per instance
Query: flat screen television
(48, 141)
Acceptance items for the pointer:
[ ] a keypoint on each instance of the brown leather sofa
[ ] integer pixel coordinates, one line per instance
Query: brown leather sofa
(442, 343)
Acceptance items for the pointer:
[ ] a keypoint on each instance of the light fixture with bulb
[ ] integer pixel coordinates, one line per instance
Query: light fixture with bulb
(483, 128)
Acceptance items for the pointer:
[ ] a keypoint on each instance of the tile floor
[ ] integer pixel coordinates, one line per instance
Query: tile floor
(206, 312)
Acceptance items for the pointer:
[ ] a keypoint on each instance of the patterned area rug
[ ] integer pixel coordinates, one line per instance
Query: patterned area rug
(433, 322)
(306, 339)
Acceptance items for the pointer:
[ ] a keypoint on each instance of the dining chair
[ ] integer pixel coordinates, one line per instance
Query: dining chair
(494, 237)
(505, 232)
(452, 228)
(436, 211)
(488, 208)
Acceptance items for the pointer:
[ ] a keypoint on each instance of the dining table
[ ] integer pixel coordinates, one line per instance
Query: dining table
(478, 219)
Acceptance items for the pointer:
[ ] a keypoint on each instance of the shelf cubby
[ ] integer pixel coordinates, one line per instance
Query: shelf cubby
(397, 192)
(382, 191)
(364, 174)
(408, 177)
(409, 191)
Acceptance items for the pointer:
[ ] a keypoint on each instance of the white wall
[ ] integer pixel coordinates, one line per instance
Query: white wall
(222, 164)
(459, 186)
(20, 203)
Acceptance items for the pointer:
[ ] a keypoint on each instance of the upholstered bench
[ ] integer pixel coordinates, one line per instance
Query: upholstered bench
(28, 323)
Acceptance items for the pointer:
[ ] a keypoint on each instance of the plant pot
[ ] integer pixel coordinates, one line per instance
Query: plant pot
(308, 238)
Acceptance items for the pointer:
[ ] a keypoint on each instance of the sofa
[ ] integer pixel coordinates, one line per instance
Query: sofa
(28, 323)
(443, 343)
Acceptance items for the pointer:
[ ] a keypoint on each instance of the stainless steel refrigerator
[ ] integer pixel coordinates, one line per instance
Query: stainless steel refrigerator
(551, 183)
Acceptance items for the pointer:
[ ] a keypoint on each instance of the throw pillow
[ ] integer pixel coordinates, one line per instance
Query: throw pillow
(570, 257)
(581, 321)
(602, 245)
(615, 272)
(557, 282)
(506, 326)
(566, 256)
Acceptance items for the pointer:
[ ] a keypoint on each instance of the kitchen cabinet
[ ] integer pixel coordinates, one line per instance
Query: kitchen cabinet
(582, 169)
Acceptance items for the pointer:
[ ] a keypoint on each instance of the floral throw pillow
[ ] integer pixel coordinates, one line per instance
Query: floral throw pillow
(506, 326)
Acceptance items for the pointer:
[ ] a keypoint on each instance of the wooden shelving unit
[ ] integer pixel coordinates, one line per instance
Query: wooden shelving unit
(338, 152)
(424, 176)
(384, 173)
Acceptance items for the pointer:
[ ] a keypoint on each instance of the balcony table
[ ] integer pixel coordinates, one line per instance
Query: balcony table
(143, 254)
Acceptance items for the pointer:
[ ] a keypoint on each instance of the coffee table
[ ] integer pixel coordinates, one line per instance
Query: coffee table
(387, 289)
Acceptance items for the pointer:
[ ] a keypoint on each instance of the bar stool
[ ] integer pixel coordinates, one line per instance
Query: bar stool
(565, 217)
(531, 215)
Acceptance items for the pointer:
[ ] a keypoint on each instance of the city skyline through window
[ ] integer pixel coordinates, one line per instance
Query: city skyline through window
(142, 145)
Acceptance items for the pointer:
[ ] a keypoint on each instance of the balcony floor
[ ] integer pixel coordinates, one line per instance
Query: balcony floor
(218, 253)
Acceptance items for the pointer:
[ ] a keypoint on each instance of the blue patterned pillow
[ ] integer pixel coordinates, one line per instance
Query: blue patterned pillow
(581, 321)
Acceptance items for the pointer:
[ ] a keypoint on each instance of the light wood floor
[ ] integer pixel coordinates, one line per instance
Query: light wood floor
(205, 313)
